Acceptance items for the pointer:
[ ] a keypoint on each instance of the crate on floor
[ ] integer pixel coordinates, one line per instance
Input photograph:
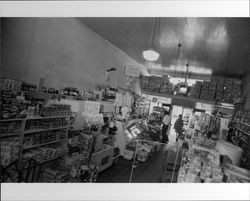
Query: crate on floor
(128, 154)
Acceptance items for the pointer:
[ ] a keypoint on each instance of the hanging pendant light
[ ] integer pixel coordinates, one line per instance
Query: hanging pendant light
(151, 54)
(177, 57)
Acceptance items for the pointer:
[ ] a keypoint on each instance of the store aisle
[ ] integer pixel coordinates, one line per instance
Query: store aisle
(150, 171)
(172, 135)
(117, 173)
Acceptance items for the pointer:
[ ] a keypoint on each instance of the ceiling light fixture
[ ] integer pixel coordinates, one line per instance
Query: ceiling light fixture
(178, 52)
(151, 54)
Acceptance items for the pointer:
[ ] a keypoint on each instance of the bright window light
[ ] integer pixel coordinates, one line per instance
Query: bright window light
(175, 80)
(150, 55)
(191, 69)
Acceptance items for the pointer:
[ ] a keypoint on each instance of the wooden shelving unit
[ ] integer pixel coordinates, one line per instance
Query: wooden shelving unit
(7, 120)
(245, 139)
(10, 135)
(23, 131)
(242, 131)
(39, 117)
(42, 130)
(43, 144)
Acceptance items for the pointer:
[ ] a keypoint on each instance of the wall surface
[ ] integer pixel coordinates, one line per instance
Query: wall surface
(63, 50)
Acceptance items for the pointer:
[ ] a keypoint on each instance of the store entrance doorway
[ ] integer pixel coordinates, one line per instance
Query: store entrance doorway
(186, 115)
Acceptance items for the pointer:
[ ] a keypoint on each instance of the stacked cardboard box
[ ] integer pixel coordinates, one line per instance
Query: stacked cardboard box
(166, 87)
(214, 79)
(151, 83)
(211, 91)
(196, 89)
(163, 87)
(236, 90)
(145, 82)
(219, 88)
(157, 84)
(204, 90)
(228, 89)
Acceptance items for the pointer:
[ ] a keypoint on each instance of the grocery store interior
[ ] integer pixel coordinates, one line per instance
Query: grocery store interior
(125, 100)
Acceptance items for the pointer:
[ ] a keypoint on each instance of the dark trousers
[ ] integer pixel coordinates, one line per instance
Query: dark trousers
(164, 133)
(178, 134)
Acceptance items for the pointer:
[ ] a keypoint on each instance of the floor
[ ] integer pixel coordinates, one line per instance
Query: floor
(144, 172)
(151, 171)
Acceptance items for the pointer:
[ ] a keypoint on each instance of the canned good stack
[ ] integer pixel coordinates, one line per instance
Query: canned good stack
(56, 110)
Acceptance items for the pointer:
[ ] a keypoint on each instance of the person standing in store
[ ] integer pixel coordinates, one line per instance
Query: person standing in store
(165, 124)
(178, 126)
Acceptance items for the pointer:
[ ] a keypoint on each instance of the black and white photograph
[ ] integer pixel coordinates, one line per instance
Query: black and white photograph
(104, 100)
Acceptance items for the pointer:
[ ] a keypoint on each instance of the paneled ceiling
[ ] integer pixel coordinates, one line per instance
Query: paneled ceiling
(219, 44)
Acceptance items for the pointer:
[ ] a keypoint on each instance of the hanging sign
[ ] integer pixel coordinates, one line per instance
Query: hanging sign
(129, 81)
(132, 71)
